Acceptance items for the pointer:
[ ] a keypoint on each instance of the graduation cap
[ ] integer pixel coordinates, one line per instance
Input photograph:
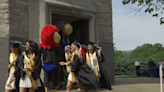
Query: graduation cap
(76, 43)
(15, 43)
(90, 43)
(94, 45)
(84, 46)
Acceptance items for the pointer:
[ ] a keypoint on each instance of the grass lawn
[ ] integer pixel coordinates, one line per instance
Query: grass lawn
(127, 76)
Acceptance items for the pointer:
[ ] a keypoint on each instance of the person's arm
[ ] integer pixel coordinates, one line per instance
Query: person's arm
(99, 52)
(36, 71)
(101, 59)
(61, 53)
(20, 64)
(12, 64)
(17, 70)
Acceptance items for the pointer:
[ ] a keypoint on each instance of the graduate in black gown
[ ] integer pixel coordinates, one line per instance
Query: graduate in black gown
(29, 68)
(52, 54)
(14, 59)
(94, 59)
(80, 72)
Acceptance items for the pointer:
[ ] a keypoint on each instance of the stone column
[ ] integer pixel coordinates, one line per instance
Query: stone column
(104, 26)
(33, 32)
(18, 21)
(42, 16)
(13, 26)
(4, 40)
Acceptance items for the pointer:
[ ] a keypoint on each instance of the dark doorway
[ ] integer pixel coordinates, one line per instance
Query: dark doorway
(80, 32)
(80, 27)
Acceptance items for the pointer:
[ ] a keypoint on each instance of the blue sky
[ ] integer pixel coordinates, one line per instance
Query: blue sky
(130, 32)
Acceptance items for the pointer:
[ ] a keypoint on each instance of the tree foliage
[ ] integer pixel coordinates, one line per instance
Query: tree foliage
(143, 53)
(154, 7)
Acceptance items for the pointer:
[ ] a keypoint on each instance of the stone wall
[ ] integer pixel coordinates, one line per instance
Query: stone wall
(13, 26)
(4, 47)
(34, 20)
(104, 27)
(4, 18)
(18, 10)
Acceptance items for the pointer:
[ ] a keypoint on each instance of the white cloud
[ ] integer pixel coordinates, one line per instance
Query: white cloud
(130, 32)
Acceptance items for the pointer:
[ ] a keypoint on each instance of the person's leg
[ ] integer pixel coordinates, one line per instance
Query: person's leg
(80, 86)
(21, 89)
(98, 78)
(69, 85)
(138, 69)
(97, 90)
(8, 90)
(31, 89)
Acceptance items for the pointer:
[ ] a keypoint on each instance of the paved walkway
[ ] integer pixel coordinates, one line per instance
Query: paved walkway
(144, 84)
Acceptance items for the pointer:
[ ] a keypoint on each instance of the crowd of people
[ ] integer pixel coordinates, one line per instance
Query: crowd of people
(151, 65)
(83, 65)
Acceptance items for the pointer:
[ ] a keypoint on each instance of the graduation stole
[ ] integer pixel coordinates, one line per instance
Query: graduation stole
(73, 75)
(12, 69)
(67, 61)
(94, 61)
(11, 58)
(31, 64)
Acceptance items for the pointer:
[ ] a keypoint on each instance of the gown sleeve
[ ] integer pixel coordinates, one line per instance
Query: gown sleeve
(37, 69)
(61, 53)
(19, 66)
(75, 66)
(84, 58)
(101, 59)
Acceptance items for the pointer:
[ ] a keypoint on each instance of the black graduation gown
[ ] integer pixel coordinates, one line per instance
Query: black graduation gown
(54, 78)
(17, 77)
(151, 64)
(35, 74)
(104, 80)
(84, 74)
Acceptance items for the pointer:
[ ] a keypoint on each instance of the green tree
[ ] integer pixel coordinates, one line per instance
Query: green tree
(154, 7)
(143, 52)
(118, 54)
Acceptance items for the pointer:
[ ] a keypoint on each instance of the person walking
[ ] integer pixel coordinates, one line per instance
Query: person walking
(137, 64)
(151, 64)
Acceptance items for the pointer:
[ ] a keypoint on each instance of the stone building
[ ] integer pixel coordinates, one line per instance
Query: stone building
(127, 52)
(24, 19)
